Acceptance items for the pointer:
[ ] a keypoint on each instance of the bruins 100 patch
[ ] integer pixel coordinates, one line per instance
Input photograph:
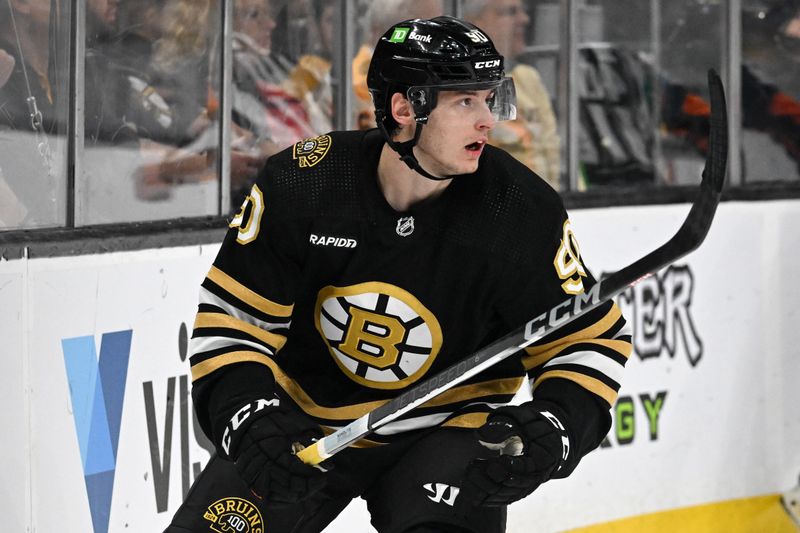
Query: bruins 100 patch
(234, 514)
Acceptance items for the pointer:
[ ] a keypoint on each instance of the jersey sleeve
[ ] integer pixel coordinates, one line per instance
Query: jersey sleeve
(590, 352)
(245, 309)
(579, 366)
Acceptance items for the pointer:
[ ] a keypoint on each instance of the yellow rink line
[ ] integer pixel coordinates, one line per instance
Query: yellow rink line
(762, 514)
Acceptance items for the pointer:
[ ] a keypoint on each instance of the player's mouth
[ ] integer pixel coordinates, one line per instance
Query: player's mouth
(476, 147)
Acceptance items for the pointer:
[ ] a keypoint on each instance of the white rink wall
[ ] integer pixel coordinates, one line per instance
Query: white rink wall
(708, 411)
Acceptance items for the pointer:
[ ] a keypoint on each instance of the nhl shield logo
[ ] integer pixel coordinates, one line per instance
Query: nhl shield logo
(309, 152)
(405, 226)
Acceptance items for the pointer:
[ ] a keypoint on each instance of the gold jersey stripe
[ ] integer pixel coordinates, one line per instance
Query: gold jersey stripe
(290, 386)
(349, 412)
(208, 366)
(248, 296)
(538, 355)
(221, 320)
(589, 383)
(468, 420)
(624, 348)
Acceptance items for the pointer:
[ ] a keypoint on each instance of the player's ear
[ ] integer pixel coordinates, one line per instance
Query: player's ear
(402, 111)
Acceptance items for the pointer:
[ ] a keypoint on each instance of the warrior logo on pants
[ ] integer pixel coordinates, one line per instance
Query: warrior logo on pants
(230, 515)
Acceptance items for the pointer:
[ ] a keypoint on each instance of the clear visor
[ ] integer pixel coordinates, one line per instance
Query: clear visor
(502, 104)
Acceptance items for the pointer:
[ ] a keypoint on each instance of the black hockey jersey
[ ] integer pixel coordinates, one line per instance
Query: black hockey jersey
(347, 302)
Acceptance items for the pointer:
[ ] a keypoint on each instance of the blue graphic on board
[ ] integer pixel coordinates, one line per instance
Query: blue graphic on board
(97, 389)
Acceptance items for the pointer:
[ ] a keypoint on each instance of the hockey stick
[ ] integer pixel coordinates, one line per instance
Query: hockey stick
(688, 237)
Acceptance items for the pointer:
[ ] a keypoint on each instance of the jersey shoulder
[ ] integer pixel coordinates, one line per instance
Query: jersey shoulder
(317, 176)
(506, 172)
(509, 210)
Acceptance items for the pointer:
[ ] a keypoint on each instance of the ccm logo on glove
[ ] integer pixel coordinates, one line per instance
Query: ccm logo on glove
(564, 439)
(242, 415)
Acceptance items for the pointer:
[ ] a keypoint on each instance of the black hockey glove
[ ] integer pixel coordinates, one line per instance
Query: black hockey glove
(532, 446)
(263, 451)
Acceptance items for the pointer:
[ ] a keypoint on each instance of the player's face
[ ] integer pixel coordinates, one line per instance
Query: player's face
(457, 131)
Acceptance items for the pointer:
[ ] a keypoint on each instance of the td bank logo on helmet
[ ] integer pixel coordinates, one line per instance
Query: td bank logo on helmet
(399, 35)
(419, 37)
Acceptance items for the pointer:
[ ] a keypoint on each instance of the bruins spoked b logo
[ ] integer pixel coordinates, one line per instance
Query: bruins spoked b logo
(380, 335)
(234, 515)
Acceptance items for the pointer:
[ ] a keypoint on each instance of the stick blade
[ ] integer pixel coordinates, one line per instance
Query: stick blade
(717, 160)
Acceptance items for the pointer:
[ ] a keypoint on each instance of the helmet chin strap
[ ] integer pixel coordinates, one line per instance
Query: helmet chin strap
(406, 150)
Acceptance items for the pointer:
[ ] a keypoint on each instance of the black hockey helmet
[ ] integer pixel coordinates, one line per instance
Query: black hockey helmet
(443, 53)
(420, 57)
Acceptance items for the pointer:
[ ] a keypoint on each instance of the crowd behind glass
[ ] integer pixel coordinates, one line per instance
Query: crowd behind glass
(146, 137)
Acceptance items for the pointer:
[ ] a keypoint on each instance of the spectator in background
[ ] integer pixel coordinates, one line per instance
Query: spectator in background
(379, 16)
(141, 25)
(325, 16)
(281, 100)
(532, 137)
(105, 83)
(261, 103)
(310, 79)
(180, 67)
(277, 101)
(129, 127)
(25, 56)
(268, 115)
(182, 145)
(27, 167)
(174, 44)
(254, 22)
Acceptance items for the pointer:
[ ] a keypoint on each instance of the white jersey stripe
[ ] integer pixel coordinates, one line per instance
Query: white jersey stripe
(206, 344)
(594, 360)
(208, 297)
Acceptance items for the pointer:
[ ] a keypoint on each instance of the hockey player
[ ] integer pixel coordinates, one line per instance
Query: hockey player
(351, 274)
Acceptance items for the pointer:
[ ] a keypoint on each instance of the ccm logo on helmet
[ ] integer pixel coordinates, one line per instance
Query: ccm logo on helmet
(487, 64)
